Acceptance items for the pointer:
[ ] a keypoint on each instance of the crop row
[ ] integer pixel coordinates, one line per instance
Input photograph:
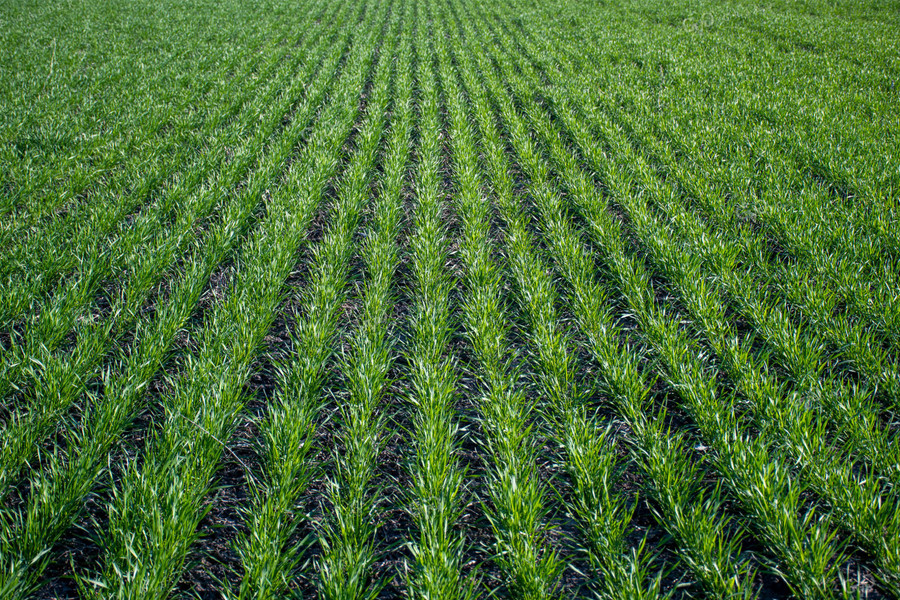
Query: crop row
(448, 299)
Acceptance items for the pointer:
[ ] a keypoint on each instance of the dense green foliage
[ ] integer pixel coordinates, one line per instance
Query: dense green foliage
(447, 299)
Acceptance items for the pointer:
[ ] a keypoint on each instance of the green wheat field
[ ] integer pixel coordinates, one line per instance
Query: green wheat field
(449, 299)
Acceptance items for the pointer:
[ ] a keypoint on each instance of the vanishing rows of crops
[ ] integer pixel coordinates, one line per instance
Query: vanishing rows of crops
(445, 299)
